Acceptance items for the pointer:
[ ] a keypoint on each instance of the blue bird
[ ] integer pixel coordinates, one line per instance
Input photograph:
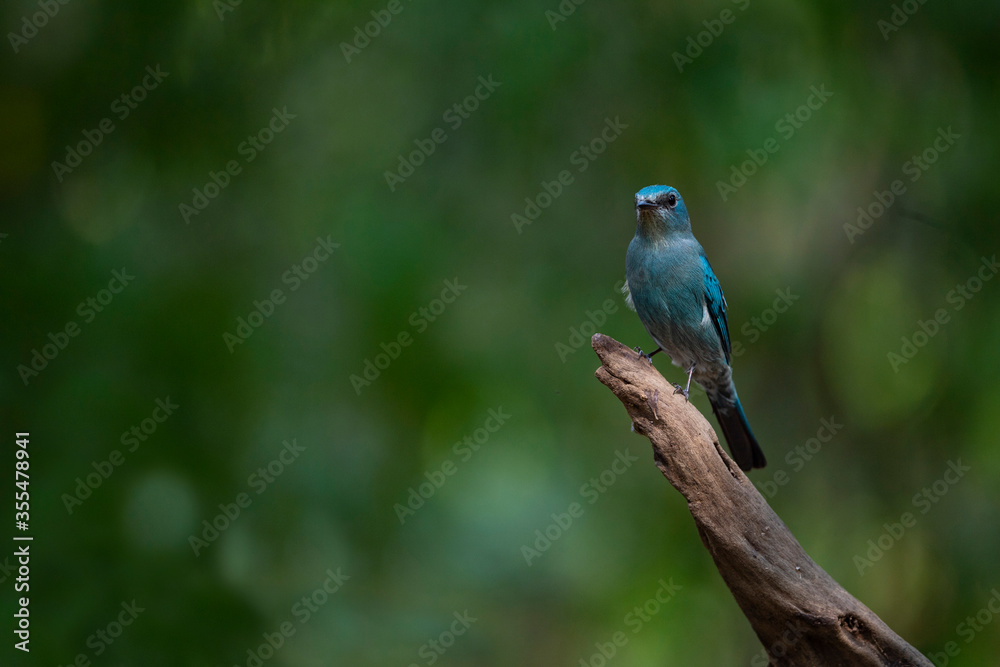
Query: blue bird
(671, 286)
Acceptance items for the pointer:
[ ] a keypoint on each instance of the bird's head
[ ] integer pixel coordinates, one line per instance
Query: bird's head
(660, 211)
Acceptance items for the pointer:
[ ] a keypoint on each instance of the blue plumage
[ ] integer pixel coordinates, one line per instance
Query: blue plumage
(672, 288)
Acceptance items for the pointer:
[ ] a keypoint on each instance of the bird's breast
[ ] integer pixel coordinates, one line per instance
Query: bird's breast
(668, 291)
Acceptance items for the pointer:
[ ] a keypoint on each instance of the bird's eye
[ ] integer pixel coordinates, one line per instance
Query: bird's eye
(672, 199)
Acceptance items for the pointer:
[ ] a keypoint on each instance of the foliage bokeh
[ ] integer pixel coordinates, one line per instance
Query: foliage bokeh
(496, 345)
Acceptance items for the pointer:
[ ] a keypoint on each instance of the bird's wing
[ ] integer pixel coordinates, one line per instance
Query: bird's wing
(716, 304)
(628, 295)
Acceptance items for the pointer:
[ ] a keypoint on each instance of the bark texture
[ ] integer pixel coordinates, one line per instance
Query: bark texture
(800, 614)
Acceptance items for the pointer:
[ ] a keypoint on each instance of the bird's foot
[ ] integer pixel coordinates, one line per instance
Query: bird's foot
(677, 387)
(649, 357)
(643, 355)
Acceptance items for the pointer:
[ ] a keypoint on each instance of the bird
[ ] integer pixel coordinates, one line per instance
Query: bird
(672, 287)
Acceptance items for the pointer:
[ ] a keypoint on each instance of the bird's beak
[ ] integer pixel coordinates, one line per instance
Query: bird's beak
(642, 203)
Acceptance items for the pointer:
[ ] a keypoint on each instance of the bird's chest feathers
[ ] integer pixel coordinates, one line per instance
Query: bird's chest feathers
(667, 286)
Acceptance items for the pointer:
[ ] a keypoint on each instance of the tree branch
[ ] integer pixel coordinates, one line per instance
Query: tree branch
(801, 615)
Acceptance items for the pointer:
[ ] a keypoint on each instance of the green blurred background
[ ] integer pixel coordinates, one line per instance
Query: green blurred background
(529, 289)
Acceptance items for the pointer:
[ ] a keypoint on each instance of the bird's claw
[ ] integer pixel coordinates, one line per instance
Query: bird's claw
(681, 390)
(643, 355)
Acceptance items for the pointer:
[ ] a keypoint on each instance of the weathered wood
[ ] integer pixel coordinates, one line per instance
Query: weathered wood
(800, 614)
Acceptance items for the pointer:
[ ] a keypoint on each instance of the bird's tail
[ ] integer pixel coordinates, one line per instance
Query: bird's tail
(743, 445)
